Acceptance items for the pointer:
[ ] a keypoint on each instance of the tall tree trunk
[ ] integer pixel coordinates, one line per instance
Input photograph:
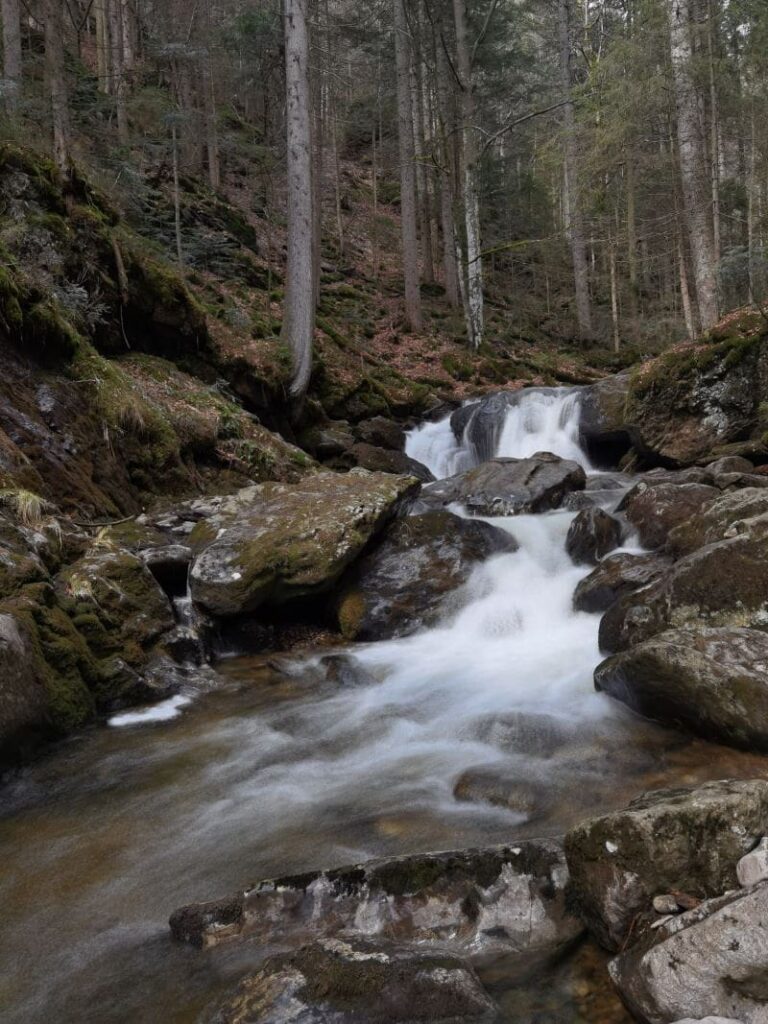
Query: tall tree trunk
(471, 196)
(57, 86)
(693, 165)
(11, 16)
(420, 147)
(102, 46)
(120, 84)
(407, 170)
(176, 193)
(299, 313)
(685, 292)
(575, 222)
(447, 162)
(714, 130)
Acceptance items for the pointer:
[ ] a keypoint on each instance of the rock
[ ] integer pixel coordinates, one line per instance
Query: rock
(340, 982)
(666, 905)
(592, 534)
(691, 475)
(718, 520)
(412, 577)
(382, 433)
(670, 839)
(346, 670)
(287, 541)
(603, 421)
(384, 460)
(615, 577)
(476, 903)
(710, 1020)
(737, 481)
(23, 696)
(520, 732)
(753, 866)
(328, 441)
(655, 509)
(506, 487)
(502, 787)
(169, 565)
(730, 464)
(712, 681)
(479, 424)
(709, 961)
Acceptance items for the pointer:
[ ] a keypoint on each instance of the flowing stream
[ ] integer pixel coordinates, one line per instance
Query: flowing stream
(281, 770)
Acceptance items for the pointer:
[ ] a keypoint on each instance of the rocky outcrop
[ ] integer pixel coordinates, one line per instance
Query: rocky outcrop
(274, 543)
(383, 460)
(475, 903)
(412, 577)
(721, 519)
(382, 433)
(603, 421)
(359, 983)
(711, 960)
(678, 839)
(655, 509)
(712, 681)
(507, 487)
(615, 577)
(592, 534)
(23, 697)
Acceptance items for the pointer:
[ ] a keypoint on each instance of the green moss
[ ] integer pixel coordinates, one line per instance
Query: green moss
(52, 335)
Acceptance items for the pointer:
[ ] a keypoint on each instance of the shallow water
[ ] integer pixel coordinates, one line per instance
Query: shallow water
(282, 770)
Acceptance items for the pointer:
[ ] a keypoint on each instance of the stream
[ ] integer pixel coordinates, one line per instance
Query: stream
(280, 770)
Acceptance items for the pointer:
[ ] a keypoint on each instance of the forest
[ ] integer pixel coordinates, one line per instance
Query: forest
(384, 511)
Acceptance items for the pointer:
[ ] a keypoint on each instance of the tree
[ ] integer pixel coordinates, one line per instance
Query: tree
(299, 313)
(57, 86)
(408, 213)
(11, 53)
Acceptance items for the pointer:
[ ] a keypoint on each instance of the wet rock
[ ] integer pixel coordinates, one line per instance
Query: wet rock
(711, 960)
(479, 424)
(506, 487)
(169, 565)
(737, 481)
(357, 982)
(382, 433)
(730, 464)
(281, 542)
(753, 866)
(520, 732)
(412, 577)
(592, 534)
(502, 787)
(615, 577)
(720, 519)
(475, 903)
(691, 475)
(655, 509)
(384, 460)
(671, 839)
(328, 441)
(346, 670)
(23, 697)
(712, 681)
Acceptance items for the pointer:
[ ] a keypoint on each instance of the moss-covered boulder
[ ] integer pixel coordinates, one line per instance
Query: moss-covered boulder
(711, 681)
(618, 576)
(413, 576)
(356, 982)
(655, 509)
(290, 541)
(673, 839)
(383, 460)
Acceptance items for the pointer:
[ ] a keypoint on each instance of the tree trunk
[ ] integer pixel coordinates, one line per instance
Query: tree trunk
(102, 46)
(447, 193)
(176, 195)
(685, 294)
(299, 311)
(420, 145)
(120, 83)
(693, 165)
(407, 171)
(575, 221)
(11, 53)
(57, 86)
(474, 290)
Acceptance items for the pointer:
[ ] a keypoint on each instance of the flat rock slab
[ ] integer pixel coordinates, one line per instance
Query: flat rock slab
(687, 840)
(284, 541)
(711, 960)
(337, 982)
(476, 903)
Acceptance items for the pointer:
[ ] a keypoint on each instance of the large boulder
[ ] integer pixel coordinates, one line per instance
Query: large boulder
(383, 460)
(507, 487)
(615, 577)
(592, 534)
(710, 960)
(718, 520)
(713, 681)
(337, 982)
(23, 696)
(382, 433)
(603, 420)
(655, 509)
(411, 578)
(674, 839)
(477, 903)
(289, 541)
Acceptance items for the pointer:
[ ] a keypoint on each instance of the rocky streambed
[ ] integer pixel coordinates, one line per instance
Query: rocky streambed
(497, 662)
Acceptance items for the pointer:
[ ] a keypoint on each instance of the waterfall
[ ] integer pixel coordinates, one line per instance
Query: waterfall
(514, 424)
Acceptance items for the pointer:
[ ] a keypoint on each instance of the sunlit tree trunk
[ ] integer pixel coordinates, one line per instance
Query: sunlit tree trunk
(12, 71)
(407, 170)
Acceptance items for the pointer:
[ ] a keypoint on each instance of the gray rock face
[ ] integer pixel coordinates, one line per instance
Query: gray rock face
(23, 697)
(592, 534)
(410, 580)
(474, 903)
(655, 509)
(507, 487)
(712, 681)
(711, 960)
(615, 577)
(337, 982)
(680, 839)
(276, 542)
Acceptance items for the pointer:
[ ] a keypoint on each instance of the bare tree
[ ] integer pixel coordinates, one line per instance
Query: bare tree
(407, 170)
(11, 53)
(57, 86)
(299, 313)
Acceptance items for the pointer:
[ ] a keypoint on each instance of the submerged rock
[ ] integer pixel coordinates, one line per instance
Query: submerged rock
(507, 487)
(655, 509)
(672, 839)
(338, 982)
(713, 681)
(710, 960)
(411, 578)
(476, 903)
(279, 542)
(502, 786)
(615, 577)
(592, 534)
